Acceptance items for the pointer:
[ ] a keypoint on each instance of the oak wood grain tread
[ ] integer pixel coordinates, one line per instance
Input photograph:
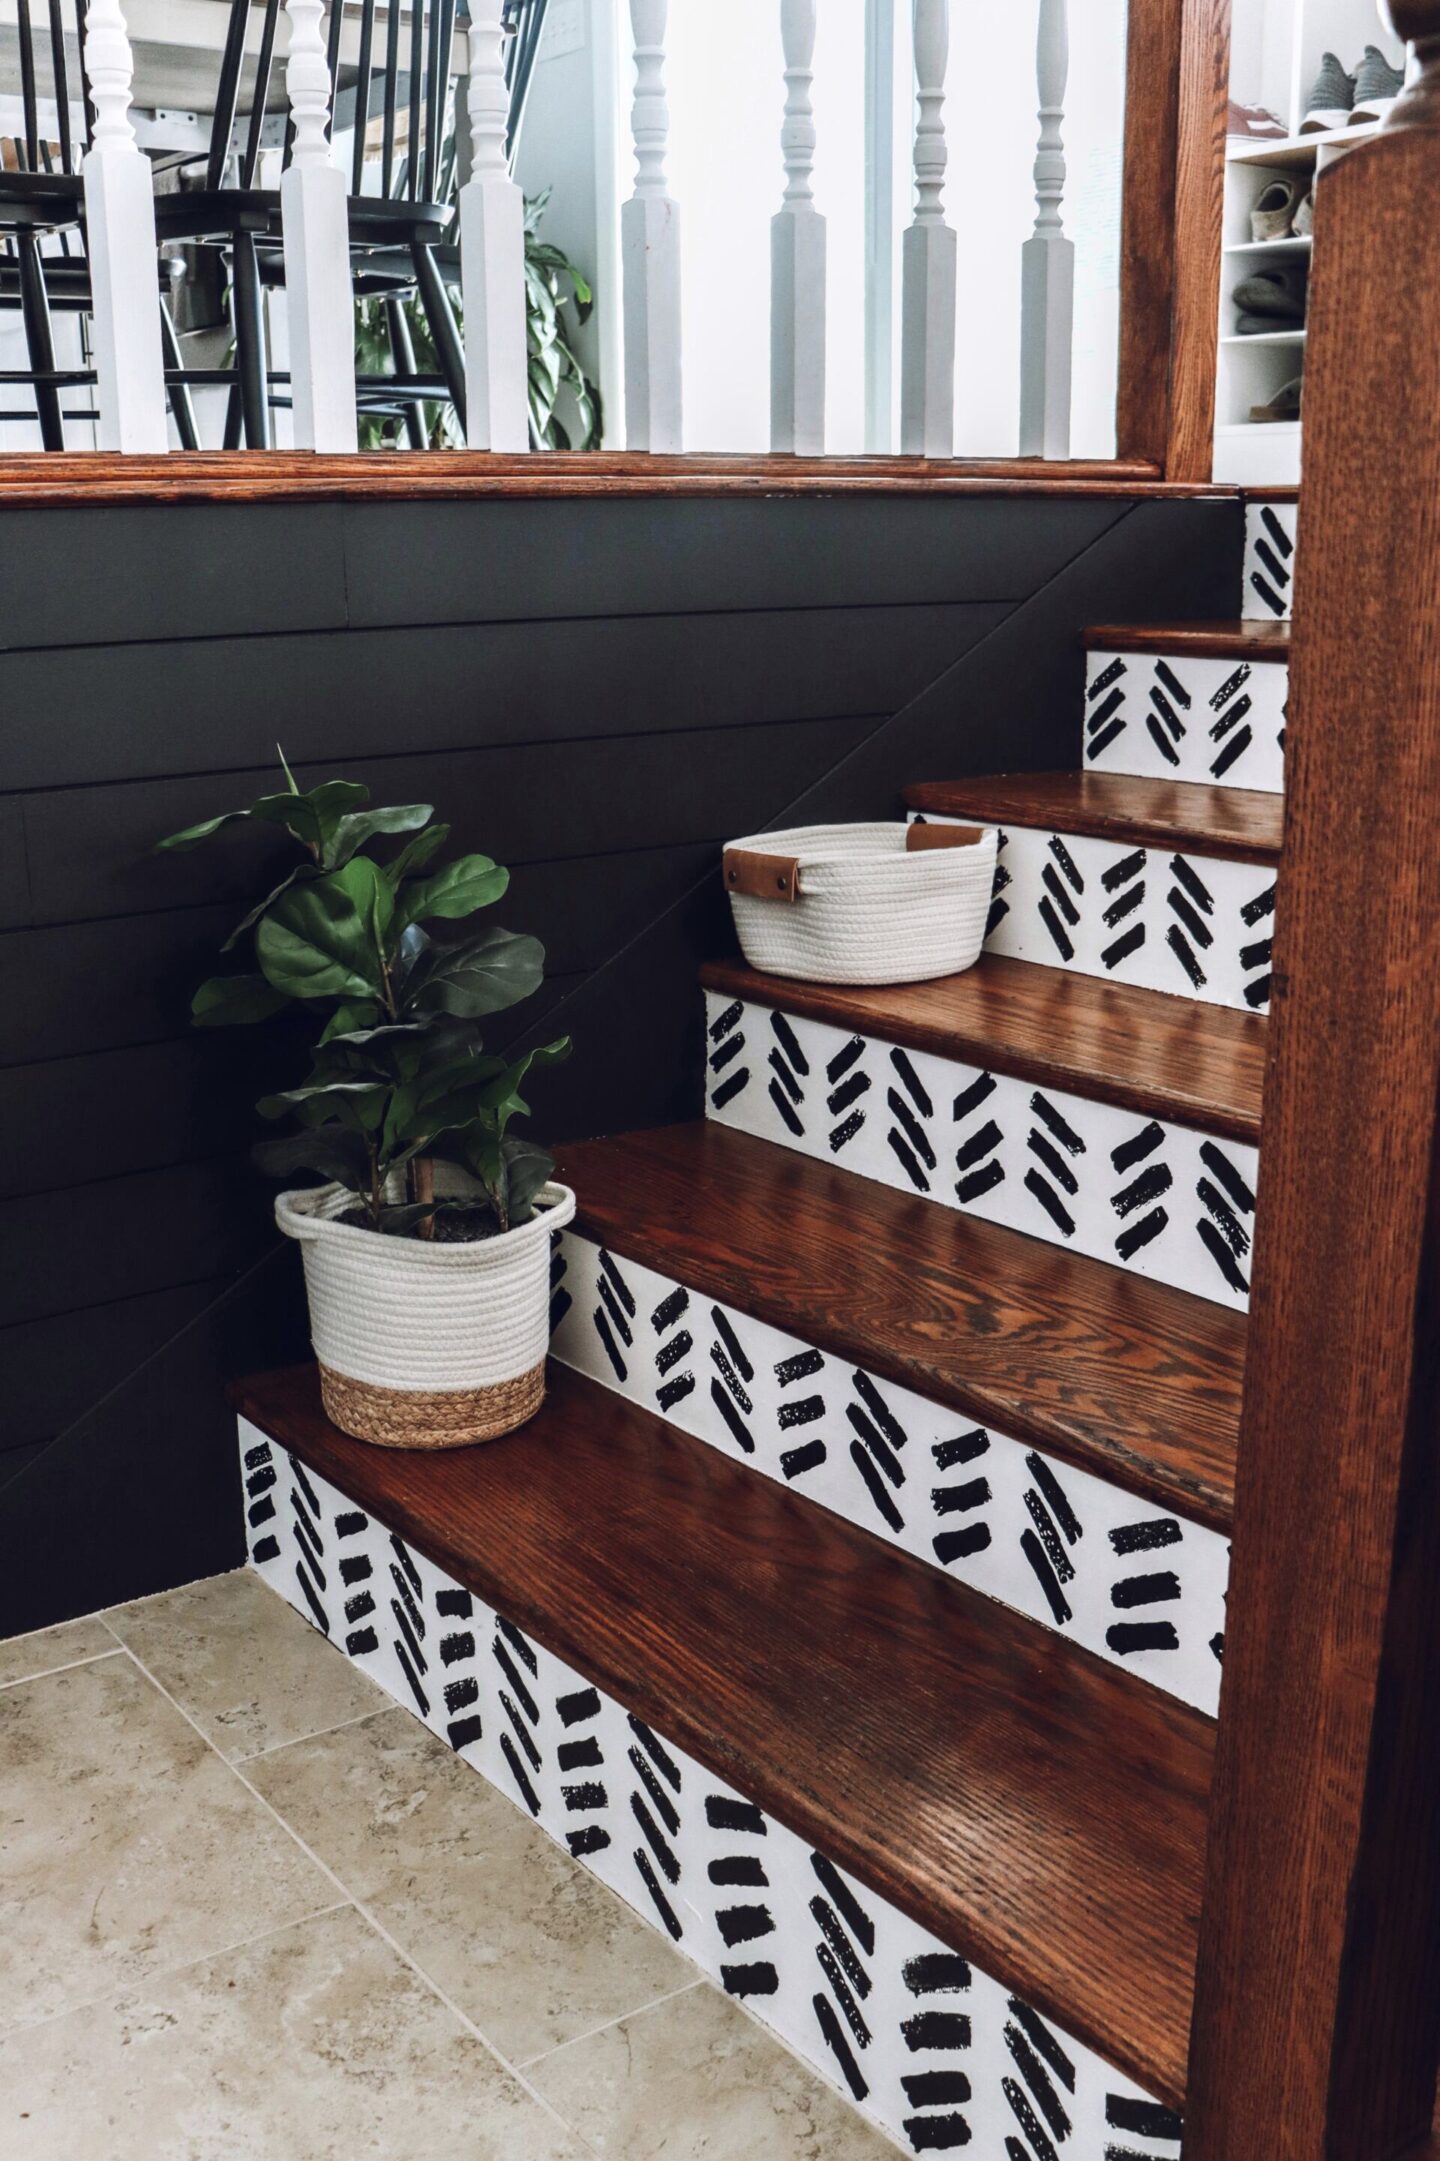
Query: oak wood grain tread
(1238, 640)
(1241, 824)
(1164, 1057)
(53, 478)
(1131, 1380)
(1041, 1812)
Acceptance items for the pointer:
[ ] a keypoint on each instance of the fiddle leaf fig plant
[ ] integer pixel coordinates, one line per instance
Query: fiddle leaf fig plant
(399, 1075)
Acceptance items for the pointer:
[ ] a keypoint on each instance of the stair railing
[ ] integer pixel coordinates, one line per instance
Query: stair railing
(1178, 50)
(1317, 2017)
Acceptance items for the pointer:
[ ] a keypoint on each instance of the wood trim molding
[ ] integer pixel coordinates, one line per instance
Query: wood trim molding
(1317, 2021)
(37, 479)
(1177, 89)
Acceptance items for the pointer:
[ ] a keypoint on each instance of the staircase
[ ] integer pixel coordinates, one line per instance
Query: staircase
(855, 1607)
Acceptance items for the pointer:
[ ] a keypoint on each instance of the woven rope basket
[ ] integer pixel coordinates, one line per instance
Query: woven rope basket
(421, 1345)
(862, 903)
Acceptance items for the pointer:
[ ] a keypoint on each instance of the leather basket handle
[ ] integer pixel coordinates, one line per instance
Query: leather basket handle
(761, 877)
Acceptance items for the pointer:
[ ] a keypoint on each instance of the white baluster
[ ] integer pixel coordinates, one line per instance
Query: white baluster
(650, 251)
(1047, 317)
(492, 252)
(928, 263)
(120, 216)
(319, 302)
(797, 257)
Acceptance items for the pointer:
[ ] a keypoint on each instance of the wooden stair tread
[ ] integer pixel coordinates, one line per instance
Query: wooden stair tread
(1131, 1380)
(1038, 1810)
(1240, 823)
(1165, 1057)
(1237, 640)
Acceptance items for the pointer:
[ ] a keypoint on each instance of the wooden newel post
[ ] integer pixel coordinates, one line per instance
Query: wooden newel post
(1317, 2019)
(1047, 306)
(650, 253)
(928, 261)
(124, 275)
(492, 252)
(797, 257)
(319, 303)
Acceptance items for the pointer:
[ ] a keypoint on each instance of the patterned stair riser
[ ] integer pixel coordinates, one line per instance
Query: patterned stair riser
(1196, 926)
(1269, 560)
(1126, 1578)
(1178, 718)
(1158, 1199)
(941, 2056)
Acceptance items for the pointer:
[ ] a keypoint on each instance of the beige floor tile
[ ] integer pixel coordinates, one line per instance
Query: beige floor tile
(126, 1845)
(529, 1945)
(317, 2044)
(248, 1670)
(21, 1657)
(695, 2080)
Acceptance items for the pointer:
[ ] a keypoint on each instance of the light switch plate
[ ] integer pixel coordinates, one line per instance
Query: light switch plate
(564, 29)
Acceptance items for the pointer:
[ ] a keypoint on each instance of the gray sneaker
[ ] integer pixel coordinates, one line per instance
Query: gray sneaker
(1279, 292)
(1331, 101)
(1377, 87)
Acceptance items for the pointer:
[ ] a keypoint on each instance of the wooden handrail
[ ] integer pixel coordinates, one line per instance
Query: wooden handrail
(1317, 2020)
(1177, 88)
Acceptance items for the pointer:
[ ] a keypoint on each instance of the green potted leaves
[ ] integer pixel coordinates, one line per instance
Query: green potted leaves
(427, 1253)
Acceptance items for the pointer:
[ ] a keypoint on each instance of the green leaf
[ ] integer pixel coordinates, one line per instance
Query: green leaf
(527, 1169)
(290, 780)
(227, 1001)
(175, 843)
(459, 889)
(322, 940)
(355, 1016)
(301, 870)
(415, 855)
(351, 831)
(487, 975)
(359, 1106)
(334, 1153)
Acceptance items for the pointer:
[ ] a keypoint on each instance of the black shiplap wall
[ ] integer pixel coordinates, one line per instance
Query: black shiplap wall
(596, 692)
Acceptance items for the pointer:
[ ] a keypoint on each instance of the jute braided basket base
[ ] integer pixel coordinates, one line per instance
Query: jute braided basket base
(430, 1418)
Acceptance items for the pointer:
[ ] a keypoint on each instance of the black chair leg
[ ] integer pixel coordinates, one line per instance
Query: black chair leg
(402, 352)
(179, 393)
(35, 313)
(232, 419)
(250, 341)
(443, 328)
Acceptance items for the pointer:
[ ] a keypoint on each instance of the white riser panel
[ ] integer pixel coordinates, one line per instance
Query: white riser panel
(1171, 717)
(1157, 1199)
(1269, 561)
(1129, 1580)
(942, 2057)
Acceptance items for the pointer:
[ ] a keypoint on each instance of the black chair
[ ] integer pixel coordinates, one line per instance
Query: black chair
(393, 233)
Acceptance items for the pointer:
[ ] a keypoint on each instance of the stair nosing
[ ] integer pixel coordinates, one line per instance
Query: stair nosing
(969, 800)
(1263, 639)
(826, 1002)
(1092, 1449)
(877, 1861)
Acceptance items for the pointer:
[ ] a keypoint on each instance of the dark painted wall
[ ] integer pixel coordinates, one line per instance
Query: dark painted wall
(598, 693)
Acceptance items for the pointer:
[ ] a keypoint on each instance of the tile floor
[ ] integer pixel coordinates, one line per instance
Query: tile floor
(249, 1911)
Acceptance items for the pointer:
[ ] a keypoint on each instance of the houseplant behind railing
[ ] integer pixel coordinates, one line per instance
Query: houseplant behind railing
(427, 1253)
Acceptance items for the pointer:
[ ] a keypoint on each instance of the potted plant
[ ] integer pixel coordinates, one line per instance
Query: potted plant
(427, 1252)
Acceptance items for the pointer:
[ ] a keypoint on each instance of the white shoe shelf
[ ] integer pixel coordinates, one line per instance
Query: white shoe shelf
(1278, 47)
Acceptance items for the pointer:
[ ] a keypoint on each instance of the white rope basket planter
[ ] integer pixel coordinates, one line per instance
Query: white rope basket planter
(423, 1345)
(862, 903)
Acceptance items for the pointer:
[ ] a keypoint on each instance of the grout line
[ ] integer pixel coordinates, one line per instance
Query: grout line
(164, 1973)
(70, 1665)
(701, 1980)
(319, 1733)
(348, 1898)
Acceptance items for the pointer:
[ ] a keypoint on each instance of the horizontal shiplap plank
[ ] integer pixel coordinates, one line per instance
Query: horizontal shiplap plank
(56, 1368)
(72, 577)
(149, 1232)
(132, 712)
(492, 562)
(92, 848)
